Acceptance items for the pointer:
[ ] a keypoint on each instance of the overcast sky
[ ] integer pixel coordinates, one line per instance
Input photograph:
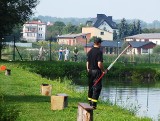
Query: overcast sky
(146, 10)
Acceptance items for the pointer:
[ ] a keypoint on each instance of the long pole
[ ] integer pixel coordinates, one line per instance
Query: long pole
(14, 48)
(110, 66)
(50, 58)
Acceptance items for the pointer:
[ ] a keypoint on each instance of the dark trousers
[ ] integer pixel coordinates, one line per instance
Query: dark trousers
(94, 91)
(75, 58)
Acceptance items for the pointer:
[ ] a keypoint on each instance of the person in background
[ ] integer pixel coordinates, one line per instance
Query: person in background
(60, 53)
(66, 56)
(95, 69)
(75, 52)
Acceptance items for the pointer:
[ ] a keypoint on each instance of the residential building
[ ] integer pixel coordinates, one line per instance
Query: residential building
(148, 37)
(140, 47)
(74, 39)
(101, 26)
(113, 47)
(107, 46)
(34, 31)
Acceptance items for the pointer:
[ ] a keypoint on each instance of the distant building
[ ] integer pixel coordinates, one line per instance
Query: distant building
(112, 47)
(101, 26)
(34, 31)
(148, 37)
(74, 39)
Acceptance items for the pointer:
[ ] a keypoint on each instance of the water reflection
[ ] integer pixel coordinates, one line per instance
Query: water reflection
(141, 97)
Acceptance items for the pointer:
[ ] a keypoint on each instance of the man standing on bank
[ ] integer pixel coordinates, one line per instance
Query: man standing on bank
(95, 69)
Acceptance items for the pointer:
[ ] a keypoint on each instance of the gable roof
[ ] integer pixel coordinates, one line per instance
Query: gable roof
(137, 44)
(145, 36)
(96, 22)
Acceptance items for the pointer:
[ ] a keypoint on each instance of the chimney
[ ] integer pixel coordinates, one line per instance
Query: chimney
(110, 18)
(101, 16)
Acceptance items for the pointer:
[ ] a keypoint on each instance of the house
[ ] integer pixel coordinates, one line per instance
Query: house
(74, 39)
(139, 47)
(113, 47)
(34, 31)
(107, 46)
(149, 37)
(101, 26)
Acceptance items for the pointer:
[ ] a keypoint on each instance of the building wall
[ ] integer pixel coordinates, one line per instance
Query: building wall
(98, 32)
(106, 27)
(135, 51)
(33, 32)
(156, 41)
(79, 40)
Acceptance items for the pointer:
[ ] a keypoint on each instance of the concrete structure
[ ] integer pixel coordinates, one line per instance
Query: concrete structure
(34, 31)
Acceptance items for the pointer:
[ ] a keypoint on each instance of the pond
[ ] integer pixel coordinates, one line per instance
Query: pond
(141, 97)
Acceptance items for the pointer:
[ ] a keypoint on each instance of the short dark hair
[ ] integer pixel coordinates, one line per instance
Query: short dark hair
(97, 40)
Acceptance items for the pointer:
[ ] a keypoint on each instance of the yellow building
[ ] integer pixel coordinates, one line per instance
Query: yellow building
(102, 26)
(105, 35)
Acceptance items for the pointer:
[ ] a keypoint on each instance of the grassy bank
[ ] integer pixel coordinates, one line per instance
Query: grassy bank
(21, 100)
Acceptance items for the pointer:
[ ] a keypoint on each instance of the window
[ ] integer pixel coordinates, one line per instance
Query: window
(40, 35)
(102, 33)
(40, 28)
(146, 40)
(144, 50)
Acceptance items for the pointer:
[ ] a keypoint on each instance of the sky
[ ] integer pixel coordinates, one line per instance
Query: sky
(145, 10)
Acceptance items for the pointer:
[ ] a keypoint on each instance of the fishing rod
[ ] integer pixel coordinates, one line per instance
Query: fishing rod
(110, 66)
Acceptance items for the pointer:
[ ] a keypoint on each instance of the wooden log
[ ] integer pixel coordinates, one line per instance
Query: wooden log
(46, 89)
(59, 101)
(85, 112)
(8, 72)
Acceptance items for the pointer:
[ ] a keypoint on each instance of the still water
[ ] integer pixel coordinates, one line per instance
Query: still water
(143, 97)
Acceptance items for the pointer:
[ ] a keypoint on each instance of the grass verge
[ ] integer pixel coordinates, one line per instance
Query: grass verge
(20, 93)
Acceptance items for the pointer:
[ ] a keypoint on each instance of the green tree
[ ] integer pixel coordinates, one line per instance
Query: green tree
(115, 36)
(156, 49)
(133, 29)
(123, 29)
(56, 29)
(138, 26)
(69, 28)
(14, 12)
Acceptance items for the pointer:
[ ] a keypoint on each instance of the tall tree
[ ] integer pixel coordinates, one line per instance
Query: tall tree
(56, 29)
(69, 28)
(123, 29)
(14, 12)
(139, 30)
(134, 28)
(115, 36)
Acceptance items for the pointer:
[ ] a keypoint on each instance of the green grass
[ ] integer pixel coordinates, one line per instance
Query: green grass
(20, 93)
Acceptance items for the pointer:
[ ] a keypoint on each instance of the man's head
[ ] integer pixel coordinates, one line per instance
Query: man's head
(97, 40)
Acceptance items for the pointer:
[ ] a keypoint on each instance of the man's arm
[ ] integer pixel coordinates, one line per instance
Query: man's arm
(100, 65)
(87, 65)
